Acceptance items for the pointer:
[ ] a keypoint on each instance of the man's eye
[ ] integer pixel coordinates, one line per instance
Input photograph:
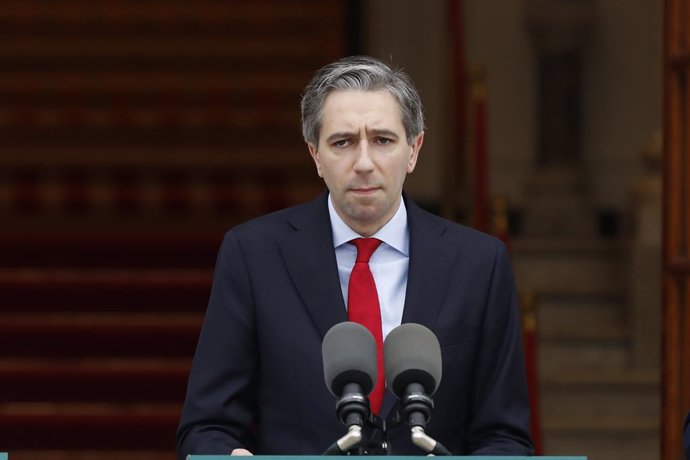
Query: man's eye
(341, 143)
(384, 140)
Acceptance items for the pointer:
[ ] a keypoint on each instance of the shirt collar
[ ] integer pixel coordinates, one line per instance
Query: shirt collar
(395, 233)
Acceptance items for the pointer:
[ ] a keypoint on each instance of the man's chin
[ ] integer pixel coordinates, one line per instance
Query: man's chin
(365, 215)
(364, 207)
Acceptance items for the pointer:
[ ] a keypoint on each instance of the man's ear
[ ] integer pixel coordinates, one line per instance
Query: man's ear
(416, 147)
(314, 152)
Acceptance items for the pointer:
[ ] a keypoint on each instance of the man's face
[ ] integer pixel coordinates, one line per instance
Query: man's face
(363, 156)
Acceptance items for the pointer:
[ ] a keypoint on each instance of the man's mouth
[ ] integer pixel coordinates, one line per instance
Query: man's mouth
(364, 190)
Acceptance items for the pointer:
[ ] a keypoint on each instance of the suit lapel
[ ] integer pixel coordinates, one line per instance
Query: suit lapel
(431, 263)
(429, 272)
(310, 260)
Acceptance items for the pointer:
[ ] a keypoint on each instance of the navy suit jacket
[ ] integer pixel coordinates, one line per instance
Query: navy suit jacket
(257, 378)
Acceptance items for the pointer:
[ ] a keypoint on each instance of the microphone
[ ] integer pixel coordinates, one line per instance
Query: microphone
(413, 365)
(349, 366)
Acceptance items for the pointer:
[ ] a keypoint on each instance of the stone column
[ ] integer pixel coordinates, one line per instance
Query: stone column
(558, 202)
(645, 263)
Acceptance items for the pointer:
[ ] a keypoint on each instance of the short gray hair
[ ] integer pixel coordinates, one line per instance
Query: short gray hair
(360, 73)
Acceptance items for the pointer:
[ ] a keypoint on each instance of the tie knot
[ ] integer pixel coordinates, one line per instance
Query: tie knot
(365, 248)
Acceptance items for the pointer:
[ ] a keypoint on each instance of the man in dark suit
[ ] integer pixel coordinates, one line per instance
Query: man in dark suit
(281, 283)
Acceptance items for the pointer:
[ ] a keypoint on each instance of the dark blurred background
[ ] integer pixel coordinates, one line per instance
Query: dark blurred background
(133, 134)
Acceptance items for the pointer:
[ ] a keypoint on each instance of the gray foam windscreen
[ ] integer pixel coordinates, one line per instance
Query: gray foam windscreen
(349, 356)
(412, 354)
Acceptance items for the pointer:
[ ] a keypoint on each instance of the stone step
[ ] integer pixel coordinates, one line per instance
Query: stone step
(621, 446)
(253, 161)
(64, 335)
(636, 378)
(257, 13)
(581, 317)
(527, 245)
(109, 251)
(92, 455)
(115, 81)
(578, 285)
(567, 266)
(103, 290)
(191, 119)
(592, 395)
(133, 380)
(591, 402)
(97, 426)
(603, 438)
(236, 50)
(609, 424)
(601, 354)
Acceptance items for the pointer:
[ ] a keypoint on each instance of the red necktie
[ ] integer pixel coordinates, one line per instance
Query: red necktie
(363, 308)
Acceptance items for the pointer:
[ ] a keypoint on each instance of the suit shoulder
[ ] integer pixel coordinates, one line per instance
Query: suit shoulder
(464, 236)
(476, 236)
(272, 225)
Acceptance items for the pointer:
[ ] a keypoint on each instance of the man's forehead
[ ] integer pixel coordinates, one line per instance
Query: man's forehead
(347, 94)
(378, 108)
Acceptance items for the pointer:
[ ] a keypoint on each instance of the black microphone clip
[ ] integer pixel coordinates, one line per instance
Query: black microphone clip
(417, 406)
(374, 439)
(366, 431)
(352, 408)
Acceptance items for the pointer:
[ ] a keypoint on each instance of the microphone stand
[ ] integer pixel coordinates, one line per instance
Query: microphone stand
(366, 439)
(427, 443)
(417, 407)
(364, 429)
(347, 442)
(366, 434)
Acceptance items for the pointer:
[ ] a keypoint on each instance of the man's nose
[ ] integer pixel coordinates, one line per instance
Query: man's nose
(363, 162)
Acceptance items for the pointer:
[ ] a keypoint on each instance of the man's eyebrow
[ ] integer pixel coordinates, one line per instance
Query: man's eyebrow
(372, 132)
(340, 135)
(384, 132)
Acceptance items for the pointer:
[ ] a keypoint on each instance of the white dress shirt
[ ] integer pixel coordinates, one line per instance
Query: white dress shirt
(388, 264)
